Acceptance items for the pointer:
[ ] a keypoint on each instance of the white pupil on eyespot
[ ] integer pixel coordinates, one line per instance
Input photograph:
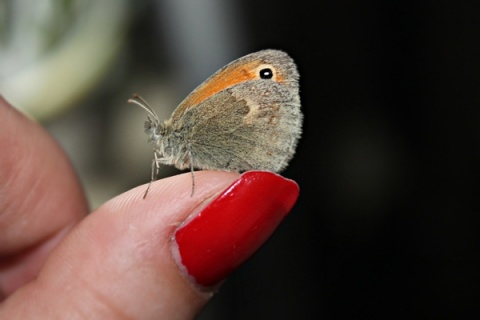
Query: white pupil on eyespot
(266, 73)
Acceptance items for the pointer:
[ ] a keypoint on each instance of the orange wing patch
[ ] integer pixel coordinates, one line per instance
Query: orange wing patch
(226, 78)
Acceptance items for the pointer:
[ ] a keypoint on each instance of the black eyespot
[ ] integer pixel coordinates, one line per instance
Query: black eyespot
(266, 73)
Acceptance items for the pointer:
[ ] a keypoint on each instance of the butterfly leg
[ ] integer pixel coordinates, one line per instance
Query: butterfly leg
(190, 159)
(155, 170)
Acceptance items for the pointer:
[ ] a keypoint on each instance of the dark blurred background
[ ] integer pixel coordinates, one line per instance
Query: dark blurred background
(387, 223)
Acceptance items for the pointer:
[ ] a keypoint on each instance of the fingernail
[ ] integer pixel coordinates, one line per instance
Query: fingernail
(232, 227)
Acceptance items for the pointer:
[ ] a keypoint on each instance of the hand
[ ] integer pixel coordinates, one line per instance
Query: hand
(162, 257)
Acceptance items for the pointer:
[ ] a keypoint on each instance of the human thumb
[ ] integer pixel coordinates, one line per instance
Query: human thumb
(158, 258)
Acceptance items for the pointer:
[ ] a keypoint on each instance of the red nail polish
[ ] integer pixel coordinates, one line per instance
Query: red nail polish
(231, 228)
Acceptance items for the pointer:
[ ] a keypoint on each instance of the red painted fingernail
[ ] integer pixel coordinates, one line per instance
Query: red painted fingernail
(231, 228)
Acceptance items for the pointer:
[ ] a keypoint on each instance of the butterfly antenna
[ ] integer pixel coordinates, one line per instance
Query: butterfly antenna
(139, 101)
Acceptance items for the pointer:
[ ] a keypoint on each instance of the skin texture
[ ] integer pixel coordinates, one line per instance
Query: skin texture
(57, 262)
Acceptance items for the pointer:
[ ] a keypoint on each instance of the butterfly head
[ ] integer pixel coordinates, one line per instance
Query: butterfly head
(153, 128)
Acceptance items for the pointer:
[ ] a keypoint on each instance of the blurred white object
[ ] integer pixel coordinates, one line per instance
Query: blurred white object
(52, 52)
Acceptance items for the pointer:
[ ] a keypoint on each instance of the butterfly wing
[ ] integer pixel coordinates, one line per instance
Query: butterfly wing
(253, 125)
(245, 116)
